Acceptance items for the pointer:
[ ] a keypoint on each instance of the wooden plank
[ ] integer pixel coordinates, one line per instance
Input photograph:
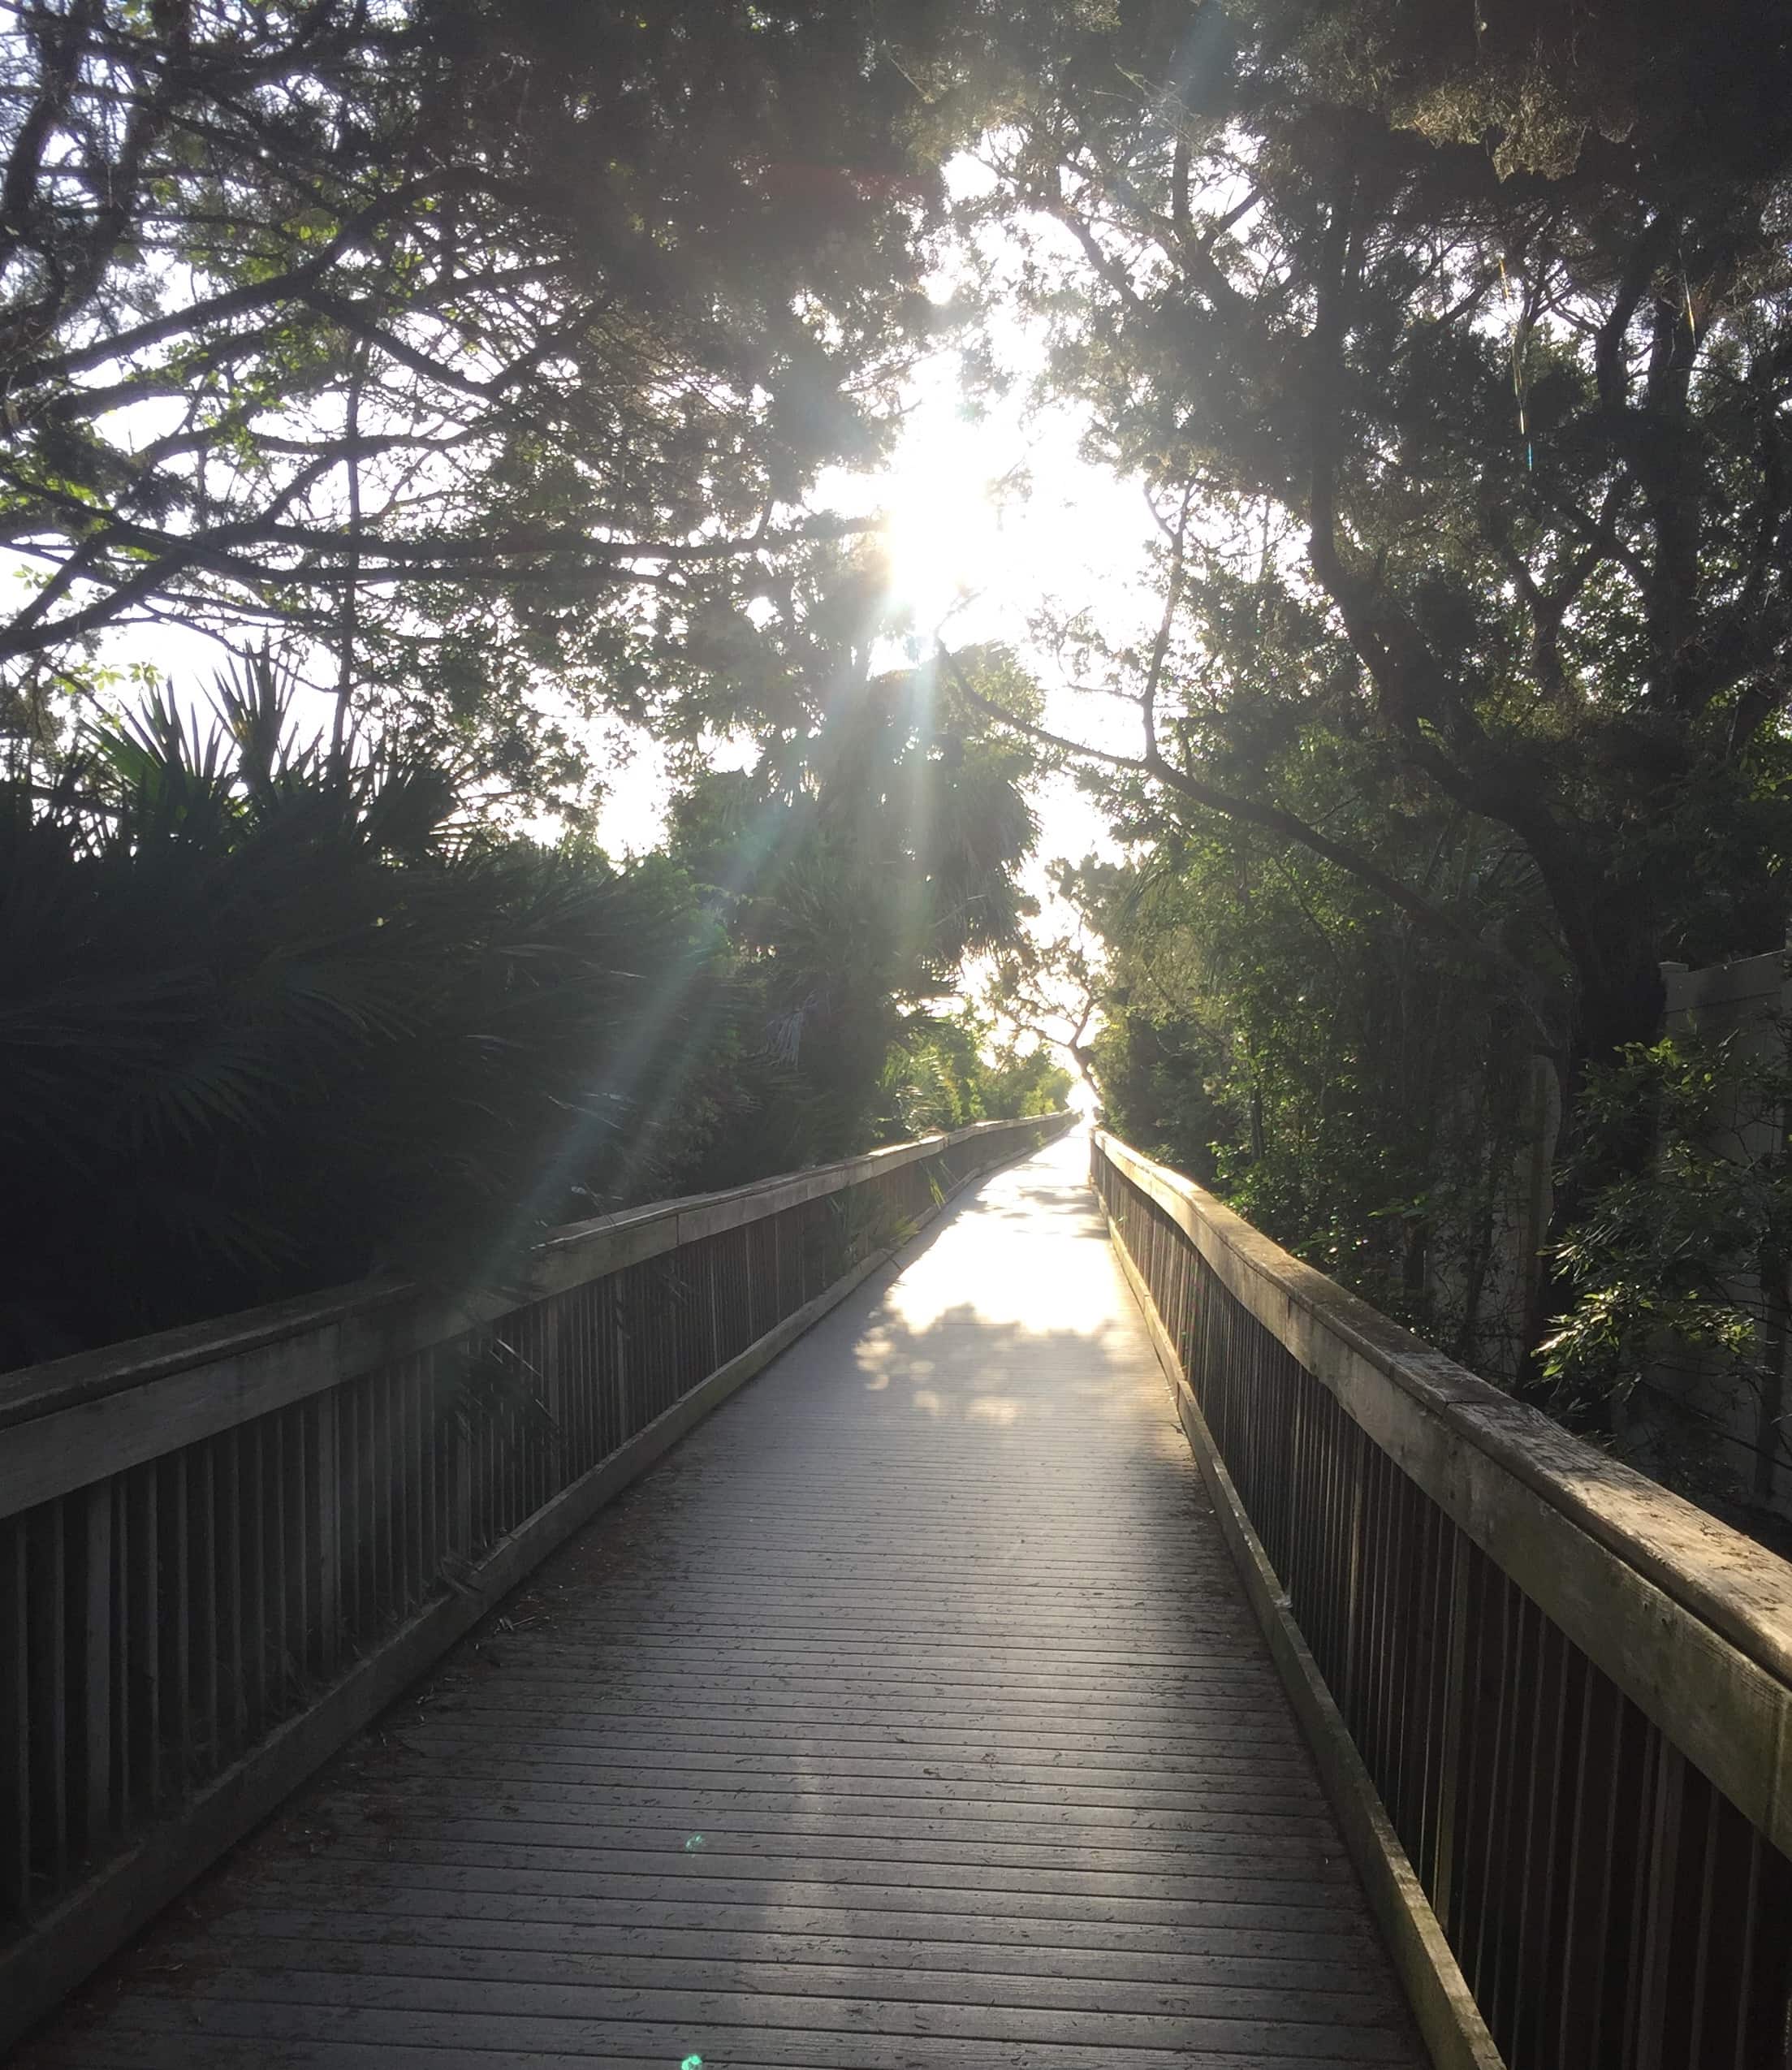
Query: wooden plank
(862, 1940)
(169, 2038)
(520, 2020)
(1239, 1914)
(910, 1715)
(580, 1978)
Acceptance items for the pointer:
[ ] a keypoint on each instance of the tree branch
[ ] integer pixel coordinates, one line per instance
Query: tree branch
(1272, 819)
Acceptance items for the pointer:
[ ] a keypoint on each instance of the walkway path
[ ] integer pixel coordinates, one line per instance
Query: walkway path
(907, 1717)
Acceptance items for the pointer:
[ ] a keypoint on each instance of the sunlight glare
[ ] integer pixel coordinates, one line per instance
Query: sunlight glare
(943, 535)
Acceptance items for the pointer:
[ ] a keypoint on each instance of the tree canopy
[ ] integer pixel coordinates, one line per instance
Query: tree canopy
(467, 348)
(1457, 353)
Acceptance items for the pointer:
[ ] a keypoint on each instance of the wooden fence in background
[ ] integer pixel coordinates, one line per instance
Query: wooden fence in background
(223, 1548)
(1571, 1691)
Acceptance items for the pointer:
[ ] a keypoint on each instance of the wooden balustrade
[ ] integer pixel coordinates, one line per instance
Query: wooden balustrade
(1571, 1690)
(223, 1548)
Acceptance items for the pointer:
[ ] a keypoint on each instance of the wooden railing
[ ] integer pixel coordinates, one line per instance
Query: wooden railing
(1572, 1690)
(223, 1548)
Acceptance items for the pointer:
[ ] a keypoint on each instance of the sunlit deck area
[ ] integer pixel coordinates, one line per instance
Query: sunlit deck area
(909, 1716)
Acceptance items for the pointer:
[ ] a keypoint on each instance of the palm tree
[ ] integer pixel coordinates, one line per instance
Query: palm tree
(272, 1018)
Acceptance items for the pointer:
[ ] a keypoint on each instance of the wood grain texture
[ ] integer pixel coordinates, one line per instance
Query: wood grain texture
(908, 1716)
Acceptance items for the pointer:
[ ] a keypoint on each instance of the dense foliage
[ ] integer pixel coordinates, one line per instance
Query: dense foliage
(272, 1022)
(855, 868)
(1458, 355)
(1688, 1258)
(1272, 1030)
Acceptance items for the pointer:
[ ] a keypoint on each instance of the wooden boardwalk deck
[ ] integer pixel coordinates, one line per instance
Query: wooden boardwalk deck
(907, 1717)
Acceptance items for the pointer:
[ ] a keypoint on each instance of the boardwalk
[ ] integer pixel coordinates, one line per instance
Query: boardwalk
(908, 1718)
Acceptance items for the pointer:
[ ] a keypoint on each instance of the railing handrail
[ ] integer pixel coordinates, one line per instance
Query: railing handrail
(1697, 1626)
(259, 1359)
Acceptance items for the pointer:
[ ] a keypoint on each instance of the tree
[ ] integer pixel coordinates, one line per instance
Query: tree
(855, 866)
(1048, 990)
(1271, 1029)
(1470, 341)
(439, 341)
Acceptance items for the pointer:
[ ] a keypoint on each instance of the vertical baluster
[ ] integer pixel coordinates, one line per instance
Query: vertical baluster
(1652, 1979)
(407, 1383)
(1518, 1781)
(1399, 1693)
(1766, 1994)
(208, 1631)
(123, 1780)
(1390, 1626)
(486, 1414)
(1623, 1875)
(255, 1591)
(591, 1367)
(1689, 2040)
(435, 1466)
(493, 1433)
(351, 1508)
(327, 1533)
(47, 1604)
(506, 1447)
(1592, 1807)
(708, 1279)
(233, 1608)
(97, 1666)
(515, 1431)
(1466, 1692)
(279, 1528)
(177, 1669)
(1542, 1764)
(1339, 1535)
(1443, 1709)
(15, 1702)
(1494, 1746)
(385, 1472)
(1748, 1941)
(145, 1636)
(461, 1465)
(1366, 1677)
